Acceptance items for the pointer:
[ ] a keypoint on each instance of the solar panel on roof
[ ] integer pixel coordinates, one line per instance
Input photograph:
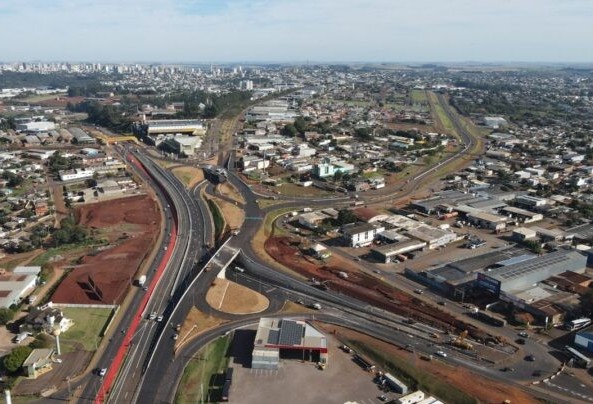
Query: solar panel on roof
(273, 337)
(291, 333)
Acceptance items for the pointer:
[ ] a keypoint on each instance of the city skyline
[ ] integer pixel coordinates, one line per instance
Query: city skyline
(223, 31)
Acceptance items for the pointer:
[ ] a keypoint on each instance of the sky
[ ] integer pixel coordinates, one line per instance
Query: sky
(296, 31)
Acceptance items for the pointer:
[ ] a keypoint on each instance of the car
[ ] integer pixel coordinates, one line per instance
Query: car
(383, 397)
(523, 334)
(145, 288)
(442, 303)
(530, 358)
(418, 291)
(175, 336)
(521, 341)
(441, 354)
(537, 373)
(301, 301)
(152, 316)
(159, 318)
(102, 372)
(507, 369)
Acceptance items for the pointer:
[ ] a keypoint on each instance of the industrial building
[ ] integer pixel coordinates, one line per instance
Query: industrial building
(281, 338)
(522, 275)
(81, 137)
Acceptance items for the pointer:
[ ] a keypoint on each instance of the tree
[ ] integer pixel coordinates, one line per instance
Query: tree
(289, 130)
(345, 216)
(6, 316)
(14, 360)
(42, 341)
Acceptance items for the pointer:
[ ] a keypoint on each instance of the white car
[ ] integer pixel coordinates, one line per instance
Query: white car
(159, 318)
(441, 354)
(102, 372)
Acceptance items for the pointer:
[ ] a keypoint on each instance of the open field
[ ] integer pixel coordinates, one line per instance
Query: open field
(443, 123)
(227, 189)
(86, 332)
(418, 96)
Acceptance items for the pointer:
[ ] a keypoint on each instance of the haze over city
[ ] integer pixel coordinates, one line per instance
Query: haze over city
(297, 31)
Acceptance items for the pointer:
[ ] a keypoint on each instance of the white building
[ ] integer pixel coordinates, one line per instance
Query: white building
(42, 126)
(15, 286)
(360, 235)
(76, 174)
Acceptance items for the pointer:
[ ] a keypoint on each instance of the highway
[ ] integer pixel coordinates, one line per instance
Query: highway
(152, 369)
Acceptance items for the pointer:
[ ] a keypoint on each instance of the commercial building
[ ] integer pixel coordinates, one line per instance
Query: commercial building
(282, 338)
(15, 286)
(360, 235)
(76, 174)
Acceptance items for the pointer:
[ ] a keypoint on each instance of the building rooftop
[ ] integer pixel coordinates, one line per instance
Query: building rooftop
(282, 333)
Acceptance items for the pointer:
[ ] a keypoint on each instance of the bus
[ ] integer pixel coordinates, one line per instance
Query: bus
(578, 358)
(577, 324)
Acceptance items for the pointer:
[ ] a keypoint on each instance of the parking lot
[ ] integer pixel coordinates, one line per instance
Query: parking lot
(302, 382)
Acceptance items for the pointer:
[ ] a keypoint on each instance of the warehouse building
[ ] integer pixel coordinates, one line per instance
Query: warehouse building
(290, 339)
(390, 252)
(520, 276)
(522, 215)
(432, 236)
(187, 126)
(487, 220)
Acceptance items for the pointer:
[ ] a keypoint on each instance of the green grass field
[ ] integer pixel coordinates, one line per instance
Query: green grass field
(86, 331)
(197, 376)
(418, 96)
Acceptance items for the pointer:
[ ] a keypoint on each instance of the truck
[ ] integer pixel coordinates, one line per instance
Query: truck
(141, 280)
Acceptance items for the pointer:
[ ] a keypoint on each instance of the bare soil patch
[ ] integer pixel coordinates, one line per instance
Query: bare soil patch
(195, 323)
(131, 226)
(360, 285)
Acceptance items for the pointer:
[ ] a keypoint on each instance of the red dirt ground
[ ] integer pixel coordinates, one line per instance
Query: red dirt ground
(132, 225)
(366, 288)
